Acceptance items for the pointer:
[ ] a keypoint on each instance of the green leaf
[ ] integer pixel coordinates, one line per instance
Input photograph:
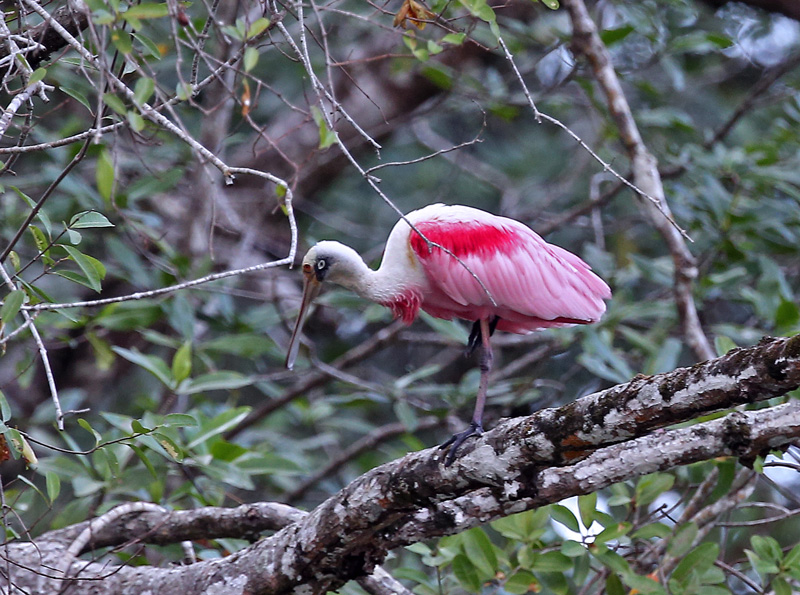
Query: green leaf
(144, 459)
(104, 175)
(53, 483)
(155, 365)
(179, 420)
(250, 59)
(612, 560)
(41, 241)
(126, 316)
(88, 427)
(651, 487)
(122, 40)
(182, 362)
(89, 219)
(480, 9)
(37, 75)
(13, 256)
(727, 471)
(611, 532)
(524, 526)
(218, 425)
(646, 585)
(454, 38)
(74, 236)
(247, 345)
(103, 355)
(551, 4)
(787, 315)
(480, 552)
(222, 380)
(143, 90)
(614, 585)
(552, 562)
(223, 450)
(93, 269)
(406, 414)
(115, 103)
(767, 548)
(75, 277)
(258, 27)
(465, 574)
(612, 36)
(5, 408)
(659, 530)
(11, 305)
(695, 562)
(521, 582)
(327, 137)
(148, 44)
(573, 549)
(146, 10)
(139, 428)
(135, 120)
(41, 215)
(587, 505)
(77, 96)
(682, 542)
(449, 328)
(780, 586)
(564, 515)
(184, 91)
(168, 444)
(721, 41)
(763, 567)
(723, 344)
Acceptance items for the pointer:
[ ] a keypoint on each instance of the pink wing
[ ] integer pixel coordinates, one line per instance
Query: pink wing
(534, 284)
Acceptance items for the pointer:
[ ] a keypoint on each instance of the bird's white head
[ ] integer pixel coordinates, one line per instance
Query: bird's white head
(334, 262)
(326, 261)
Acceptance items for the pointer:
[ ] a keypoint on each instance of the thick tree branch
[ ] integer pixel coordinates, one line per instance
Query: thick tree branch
(523, 463)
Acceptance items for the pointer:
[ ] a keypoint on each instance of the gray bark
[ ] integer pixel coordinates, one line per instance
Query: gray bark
(524, 463)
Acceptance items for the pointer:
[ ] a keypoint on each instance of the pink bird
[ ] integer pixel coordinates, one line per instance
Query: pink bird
(462, 262)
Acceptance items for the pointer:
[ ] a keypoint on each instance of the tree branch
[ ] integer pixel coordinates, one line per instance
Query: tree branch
(524, 463)
(644, 166)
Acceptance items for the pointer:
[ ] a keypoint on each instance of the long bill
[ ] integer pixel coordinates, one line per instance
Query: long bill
(311, 289)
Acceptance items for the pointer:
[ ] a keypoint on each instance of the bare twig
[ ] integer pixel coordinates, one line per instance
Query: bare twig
(48, 371)
(139, 295)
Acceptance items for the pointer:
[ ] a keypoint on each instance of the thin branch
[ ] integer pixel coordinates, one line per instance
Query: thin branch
(40, 203)
(761, 87)
(144, 108)
(48, 371)
(139, 295)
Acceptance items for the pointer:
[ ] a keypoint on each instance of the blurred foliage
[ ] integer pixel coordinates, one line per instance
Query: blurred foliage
(160, 389)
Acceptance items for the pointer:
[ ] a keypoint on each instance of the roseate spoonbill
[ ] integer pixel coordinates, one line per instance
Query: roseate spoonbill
(462, 262)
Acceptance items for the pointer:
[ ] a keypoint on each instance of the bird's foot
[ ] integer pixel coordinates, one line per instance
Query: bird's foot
(456, 440)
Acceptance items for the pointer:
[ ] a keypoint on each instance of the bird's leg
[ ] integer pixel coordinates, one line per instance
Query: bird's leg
(485, 329)
(476, 337)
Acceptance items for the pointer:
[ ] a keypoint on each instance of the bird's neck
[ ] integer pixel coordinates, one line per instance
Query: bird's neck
(383, 286)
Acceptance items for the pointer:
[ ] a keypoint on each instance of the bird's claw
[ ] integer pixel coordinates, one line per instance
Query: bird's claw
(456, 440)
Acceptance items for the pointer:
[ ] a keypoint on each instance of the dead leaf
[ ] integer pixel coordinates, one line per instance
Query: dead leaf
(413, 13)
